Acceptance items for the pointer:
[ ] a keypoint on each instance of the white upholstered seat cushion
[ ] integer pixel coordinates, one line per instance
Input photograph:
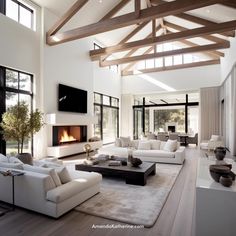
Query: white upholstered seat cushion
(83, 181)
(47, 171)
(153, 153)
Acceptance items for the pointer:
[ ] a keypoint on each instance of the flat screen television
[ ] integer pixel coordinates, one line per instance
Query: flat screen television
(72, 99)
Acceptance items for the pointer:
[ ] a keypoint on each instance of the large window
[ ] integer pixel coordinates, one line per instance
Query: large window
(166, 112)
(106, 108)
(15, 86)
(165, 116)
(18, 11)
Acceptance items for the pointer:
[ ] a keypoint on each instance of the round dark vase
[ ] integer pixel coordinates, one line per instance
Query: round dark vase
(220, 153)
(226, 181)
(26, 158)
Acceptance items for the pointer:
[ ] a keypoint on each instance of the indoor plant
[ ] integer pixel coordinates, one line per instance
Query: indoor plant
(19, 124)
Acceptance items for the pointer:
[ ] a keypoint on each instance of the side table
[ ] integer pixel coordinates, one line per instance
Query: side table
(12, 174)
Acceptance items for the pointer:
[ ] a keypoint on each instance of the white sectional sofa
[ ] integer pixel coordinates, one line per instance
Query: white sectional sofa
(38, 191)
(154, 154)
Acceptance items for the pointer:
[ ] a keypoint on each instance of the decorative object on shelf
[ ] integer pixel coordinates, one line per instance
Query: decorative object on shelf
(91, 162)
(130, 154)
(136, 162)
(94, 139)
(226, 181)
(20, 124)
(103, 157)
(220, 153)
(217, 171)
(87, 149)
(114, 163)
(124, 163)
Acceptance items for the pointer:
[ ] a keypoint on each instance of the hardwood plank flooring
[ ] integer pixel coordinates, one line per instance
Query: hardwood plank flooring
(176, 218)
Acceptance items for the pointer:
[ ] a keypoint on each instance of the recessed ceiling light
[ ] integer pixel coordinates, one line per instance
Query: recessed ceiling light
(100, 1)
(208, 11)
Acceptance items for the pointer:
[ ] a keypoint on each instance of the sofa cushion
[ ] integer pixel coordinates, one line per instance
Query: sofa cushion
(155, 144)
(84, 180)
(47, 171)
(134, 143)
(125, 141)
(171, 145)
(63, 174)
(153, 153)
(215, 138)
(9, 159)
(17, 166)
(162, 145)
(144, 145)
(151, 136)
(118, 142)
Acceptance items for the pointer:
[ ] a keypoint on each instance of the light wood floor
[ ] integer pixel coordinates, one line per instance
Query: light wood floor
(176, 218)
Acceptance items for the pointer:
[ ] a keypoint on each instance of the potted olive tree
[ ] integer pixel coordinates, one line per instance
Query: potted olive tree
(19, 124)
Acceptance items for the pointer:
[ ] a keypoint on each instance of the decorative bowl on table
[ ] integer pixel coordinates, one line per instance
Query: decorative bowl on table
(217, 171)
(220, 153)
(136, 162)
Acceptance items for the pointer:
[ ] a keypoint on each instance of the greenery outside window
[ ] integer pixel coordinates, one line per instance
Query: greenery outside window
(106, 108)
(15, 86)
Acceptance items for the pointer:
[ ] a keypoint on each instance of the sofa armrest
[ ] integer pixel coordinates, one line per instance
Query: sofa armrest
(213, 144)
(180, 154)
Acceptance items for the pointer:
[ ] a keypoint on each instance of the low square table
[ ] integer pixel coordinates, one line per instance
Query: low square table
(132, 175)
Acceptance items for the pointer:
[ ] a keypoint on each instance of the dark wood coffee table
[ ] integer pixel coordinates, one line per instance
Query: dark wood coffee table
(132, 175)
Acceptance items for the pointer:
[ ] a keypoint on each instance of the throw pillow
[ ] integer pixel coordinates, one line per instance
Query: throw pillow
(26, 158)
(144, 145)
(215, 138)
(162, 145)
(134, 144)
(171, 145)
(17, 166)
(125, 141)
(155, 144)
(47, 171)
(151, 136)
(118, 142)
(3, 158)
(63, 174)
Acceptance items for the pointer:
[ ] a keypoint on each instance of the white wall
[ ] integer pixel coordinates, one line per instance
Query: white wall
(181, 79)
(106, 81)
(228, 60)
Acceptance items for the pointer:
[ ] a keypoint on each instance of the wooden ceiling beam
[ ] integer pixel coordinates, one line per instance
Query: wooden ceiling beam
(207, 37)
(196, 49)
(203, 22)
(169, 8)
(133, 63)
(231, 4)
(175, 67)
(126, 38)
(137, 7)
(198, 32)
(116, 9)
(66, 17)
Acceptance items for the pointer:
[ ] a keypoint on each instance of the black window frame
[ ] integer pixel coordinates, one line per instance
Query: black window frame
(18, 91)
(20, 4)
(101, 105)
(142, 106)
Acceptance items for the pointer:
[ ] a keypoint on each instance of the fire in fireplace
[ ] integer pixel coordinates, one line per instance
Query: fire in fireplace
(69, 134)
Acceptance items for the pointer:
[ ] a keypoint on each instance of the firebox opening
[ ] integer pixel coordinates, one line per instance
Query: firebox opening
(69, 134)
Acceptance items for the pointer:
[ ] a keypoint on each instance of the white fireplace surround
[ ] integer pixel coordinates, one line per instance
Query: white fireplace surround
(67, 119)
(70, 119)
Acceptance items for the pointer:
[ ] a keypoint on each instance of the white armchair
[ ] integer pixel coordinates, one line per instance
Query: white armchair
(215, 141)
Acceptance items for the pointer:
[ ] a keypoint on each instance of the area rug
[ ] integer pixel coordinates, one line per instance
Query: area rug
(131, 204)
